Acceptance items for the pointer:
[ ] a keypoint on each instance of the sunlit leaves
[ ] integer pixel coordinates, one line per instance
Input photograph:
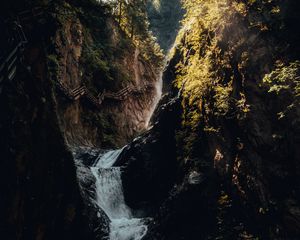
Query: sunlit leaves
(285, 79)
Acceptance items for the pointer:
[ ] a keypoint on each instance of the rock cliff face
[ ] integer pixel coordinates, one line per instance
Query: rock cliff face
(235, 172)
(116, 122)
(221, 159)
(42, 198)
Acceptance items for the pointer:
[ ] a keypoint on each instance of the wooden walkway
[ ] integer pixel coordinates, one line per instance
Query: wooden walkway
(10, 63)
(79, 92)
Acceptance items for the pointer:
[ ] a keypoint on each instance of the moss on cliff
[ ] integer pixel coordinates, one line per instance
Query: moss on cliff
(164, 17)
(41, 198)
(93, 49)
(238, 72)
(225, 46)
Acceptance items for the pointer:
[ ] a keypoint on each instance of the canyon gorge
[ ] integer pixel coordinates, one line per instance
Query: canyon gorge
(150, 120)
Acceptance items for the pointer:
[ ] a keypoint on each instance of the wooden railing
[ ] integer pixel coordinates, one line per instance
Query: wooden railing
(8, 67)
(10, 62)
(82, 91)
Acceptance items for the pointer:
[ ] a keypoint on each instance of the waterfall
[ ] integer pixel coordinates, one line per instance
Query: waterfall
(110, 198)
(109, 188)
(158, 94)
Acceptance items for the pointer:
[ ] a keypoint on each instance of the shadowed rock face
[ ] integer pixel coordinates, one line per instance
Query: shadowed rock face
(150, 160)
(232, 176)
(228, 175)
(83, 124)
(41, 199)
(206, 197)
(180, 197)
(84, 158)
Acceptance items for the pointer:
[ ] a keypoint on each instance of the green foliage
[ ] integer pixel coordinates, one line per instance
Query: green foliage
(222, 99)
(105, 127)
(93, 61)
(284, 78)
(199, 72)
(52, 64)
(52, 61)
(164, 17)
(186, 144)
(151, 51)
(242, 107)
(100, 56)
(110, 35)
(285, 81)
(133, 21)
(214, 54)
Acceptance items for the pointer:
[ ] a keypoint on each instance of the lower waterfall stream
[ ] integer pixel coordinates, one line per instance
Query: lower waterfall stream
(108, 190)
(110, 198)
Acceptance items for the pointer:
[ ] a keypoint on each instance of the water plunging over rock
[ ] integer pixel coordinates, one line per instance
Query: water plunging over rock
(110, 198)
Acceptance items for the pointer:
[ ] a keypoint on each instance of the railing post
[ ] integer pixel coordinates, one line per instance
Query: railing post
(19, 55)
(5, 71)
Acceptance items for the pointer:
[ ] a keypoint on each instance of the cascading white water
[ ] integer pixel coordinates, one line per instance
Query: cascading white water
(110, 198)
(157, 97)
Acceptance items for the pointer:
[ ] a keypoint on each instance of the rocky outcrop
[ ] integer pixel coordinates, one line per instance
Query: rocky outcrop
(221, 160)
(74, 44)
(41, 198)
(236, 142)
(76, 52)
(149, 161)
(84, 158)
(178, 196)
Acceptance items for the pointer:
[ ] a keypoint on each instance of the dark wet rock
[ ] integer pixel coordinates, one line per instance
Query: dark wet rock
(150, 167)
(181, 199)
(42, 198)
(292, 216)
(188, 213)
(84, 158)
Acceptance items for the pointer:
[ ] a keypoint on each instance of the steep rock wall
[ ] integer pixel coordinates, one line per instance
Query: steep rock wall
(236, 170)
(116, 122)
(41, 198)
(251, 132)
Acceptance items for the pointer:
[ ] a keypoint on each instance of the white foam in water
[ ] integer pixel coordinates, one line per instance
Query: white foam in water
(110, 198)
(127, 229)
(108, 159)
